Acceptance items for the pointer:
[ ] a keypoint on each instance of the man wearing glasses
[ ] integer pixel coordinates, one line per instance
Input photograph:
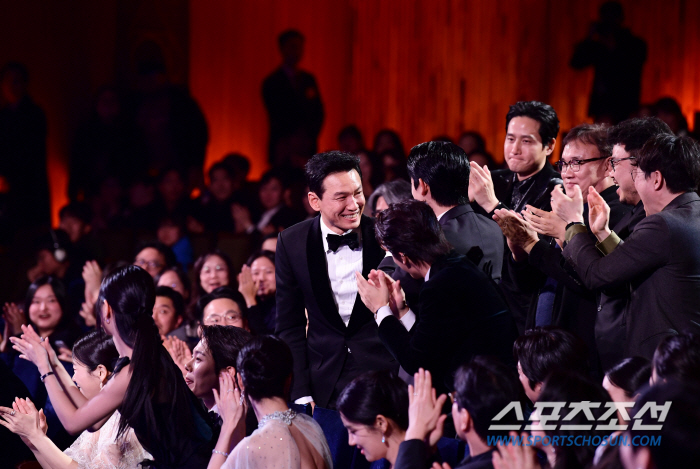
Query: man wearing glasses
(661, 258)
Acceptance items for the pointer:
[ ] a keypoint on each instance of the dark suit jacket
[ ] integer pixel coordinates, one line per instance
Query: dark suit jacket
(661, 260)
(470, 234)
(302, 283)
(538, 195)
(413, 454)
(462, 316)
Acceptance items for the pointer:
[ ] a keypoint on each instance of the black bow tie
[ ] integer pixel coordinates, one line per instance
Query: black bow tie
(335, 241)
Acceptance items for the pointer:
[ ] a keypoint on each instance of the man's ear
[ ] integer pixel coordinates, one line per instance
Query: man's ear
(549, 147)
(464, 421)
(178, 322)
(659, 181)
(423, 188)
(314, 201)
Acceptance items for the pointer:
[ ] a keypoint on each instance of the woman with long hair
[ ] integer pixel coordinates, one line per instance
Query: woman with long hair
(94, 357)
(147, 387)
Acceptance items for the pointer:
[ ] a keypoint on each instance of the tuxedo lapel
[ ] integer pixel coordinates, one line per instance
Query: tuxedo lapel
(372, 255)
(318, 273)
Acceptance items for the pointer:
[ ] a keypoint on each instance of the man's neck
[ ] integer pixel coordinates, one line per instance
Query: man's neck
(439, 209)
(603, 184)
(659, 202)
(332, 228)
(529, 174)
(476, 444)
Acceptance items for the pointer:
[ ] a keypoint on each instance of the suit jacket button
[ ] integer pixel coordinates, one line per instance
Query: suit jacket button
(349, 351)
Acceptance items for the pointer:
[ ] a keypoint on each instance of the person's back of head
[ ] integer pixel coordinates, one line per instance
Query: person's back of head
(392, 192)
(411, 228)
(239, 165)
(674, 445)
(94, 349)
(542, 350)
(225, 344)
(572, 388)
(676, 158)
(444, 167)
(631, 374)
(543, 113)
(265, 364)
(677, 357)
(483, 388)
(634, 133)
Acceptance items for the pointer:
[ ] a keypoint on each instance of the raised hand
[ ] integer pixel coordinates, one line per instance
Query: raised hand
(247, 287)
(598, 215)
(397, 297)
(373, 296)
(92, 275)
(545, 223)
(569, 206)
(31, 348)
(14, 317)
(425, 421)
(26, 425)
(87, 312)
(512, 456)
(241, 217)
(229, 401)
(518, 232)
(179, 351)
(481, 187)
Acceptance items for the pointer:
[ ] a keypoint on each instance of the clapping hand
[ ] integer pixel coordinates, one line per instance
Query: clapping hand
(598, 214)
(425, 419)
(569, 206)
(24, 420)
(246, 286)
(374, 295)
(179, 351)
(397, 297)
(513, 456)
(545, 223)
(31, 347)
(521, 237)
(481, 187)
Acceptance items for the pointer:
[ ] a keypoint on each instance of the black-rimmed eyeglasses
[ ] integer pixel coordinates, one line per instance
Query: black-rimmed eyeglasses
(575, 164)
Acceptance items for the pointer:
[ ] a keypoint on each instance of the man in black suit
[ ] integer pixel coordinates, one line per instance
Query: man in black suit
(315, 267)
(462, 314)
(661, 258)
(293, 105)
(439, 173)
(531, 133)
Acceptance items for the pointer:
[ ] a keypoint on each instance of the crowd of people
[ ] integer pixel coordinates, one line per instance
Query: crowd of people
(355, 308)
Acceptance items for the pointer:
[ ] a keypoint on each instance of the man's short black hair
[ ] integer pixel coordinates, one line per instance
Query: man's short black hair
(545, 349)
(175, 297)
(677, 158)
(542, 113)
(165, 251)
(275, 173)
(634, 133)
(322, 165)
(220, 165)
(411, 228)
(288, 35)
(591, 134)
(79, 210)
(224, 344)
(678, 357)
(445, 168)
(485, 387)
(222, 292)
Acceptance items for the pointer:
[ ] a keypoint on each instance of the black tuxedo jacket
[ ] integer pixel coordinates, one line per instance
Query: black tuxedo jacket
(661, 260)
(462, 316)
(302, 283)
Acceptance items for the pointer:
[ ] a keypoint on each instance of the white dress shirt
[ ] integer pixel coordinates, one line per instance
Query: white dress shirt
(342, 266)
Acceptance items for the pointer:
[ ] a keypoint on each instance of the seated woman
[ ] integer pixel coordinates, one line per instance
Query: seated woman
(94, 357)
(147, 387)
(46, 305)
(223, 307)
(211, 271)
(256, 283)
(374, 409)
(283, 439)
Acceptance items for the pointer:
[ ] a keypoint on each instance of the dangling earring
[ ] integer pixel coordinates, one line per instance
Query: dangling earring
(107, 320)
(383, 439)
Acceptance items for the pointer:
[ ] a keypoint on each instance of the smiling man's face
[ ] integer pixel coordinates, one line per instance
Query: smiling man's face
(342, 201)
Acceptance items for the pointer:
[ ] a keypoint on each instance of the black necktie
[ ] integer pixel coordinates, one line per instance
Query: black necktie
(335, 241)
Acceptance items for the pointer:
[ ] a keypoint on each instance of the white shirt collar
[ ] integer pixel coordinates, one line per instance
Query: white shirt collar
(427, 274)
(325, 231)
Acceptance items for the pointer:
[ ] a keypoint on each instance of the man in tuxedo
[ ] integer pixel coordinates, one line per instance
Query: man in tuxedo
(315, 267)
(531, 133)
(293, 104)
(439, 173)
(462, 314)
(661, 258)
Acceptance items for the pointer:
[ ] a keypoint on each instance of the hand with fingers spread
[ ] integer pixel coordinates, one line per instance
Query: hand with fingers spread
(92, 275)
(179, 351)
(512, 456)
(518, 232)
(373, 296)
(247, 287)
(425, 419)
(481, 187)
(569, 206)
(545, 223)
(31, 348)
(397, 297)
(598, 215)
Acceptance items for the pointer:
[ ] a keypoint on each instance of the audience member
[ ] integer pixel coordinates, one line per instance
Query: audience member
(664, 283)
(374, 410)
(169, 313)
(669, 111)
(94, 358)
(387, 194)
(269, 243)
(677, 357)
(223, 306)
(350, 140)
(176, 279)
(154, 258)
(212, 211)
(393, 165)
(461, 315)
(543, 350)
(293, 103)
(171, 232)
(388, 140)
(471, 141)
(257, 284)
(531, 133)
(283, 438)
(213, 270)
(314, 268)
(372, 171)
